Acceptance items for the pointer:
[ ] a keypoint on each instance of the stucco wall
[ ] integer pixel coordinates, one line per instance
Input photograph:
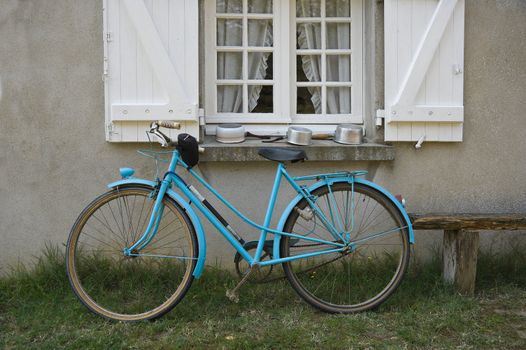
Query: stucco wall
(54, 158)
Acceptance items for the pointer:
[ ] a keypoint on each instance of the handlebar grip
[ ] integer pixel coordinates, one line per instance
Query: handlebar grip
(201, 150)
(169, 124)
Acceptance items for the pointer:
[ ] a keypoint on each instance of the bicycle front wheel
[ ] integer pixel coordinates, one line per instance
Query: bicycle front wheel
(142, 286)
(356, 279)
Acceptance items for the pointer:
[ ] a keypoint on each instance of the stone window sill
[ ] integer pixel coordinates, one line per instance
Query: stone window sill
(319, 150)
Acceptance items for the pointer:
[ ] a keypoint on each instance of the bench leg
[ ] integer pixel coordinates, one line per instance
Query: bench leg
(460, 259)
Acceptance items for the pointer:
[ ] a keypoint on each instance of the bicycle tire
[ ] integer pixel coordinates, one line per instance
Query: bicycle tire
(133, 288)
(371, 272)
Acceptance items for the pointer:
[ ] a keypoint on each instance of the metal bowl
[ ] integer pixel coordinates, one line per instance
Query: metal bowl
(349, 134)
(297, 135)
(230, 133)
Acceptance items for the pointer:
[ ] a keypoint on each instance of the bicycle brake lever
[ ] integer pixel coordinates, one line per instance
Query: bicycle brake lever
(162, 138)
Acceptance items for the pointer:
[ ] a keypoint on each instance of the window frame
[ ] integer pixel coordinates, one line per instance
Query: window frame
(284, 71)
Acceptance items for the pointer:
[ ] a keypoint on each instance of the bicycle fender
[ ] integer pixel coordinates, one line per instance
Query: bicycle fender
(298, 198)
(201, 240)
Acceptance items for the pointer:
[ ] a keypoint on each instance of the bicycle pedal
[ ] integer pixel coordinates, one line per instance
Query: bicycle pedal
(232, 295)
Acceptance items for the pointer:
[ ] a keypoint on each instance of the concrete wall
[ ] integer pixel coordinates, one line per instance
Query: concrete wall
(54, 160)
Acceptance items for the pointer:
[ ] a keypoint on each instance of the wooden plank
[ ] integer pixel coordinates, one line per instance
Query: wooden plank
(446, 52)
(420, 19)
(128, 74)
(156, 51)
(425, 53)
(404, 56)
(460, 252)
(112, 82)
(450, 114)
(458, 79)
(391, 73)
(469, 221)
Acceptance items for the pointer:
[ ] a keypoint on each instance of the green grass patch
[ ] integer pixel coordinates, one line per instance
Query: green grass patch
(38, 310)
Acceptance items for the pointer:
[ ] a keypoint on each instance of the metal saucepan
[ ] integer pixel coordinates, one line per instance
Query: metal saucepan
(235, 133)
(230, 133)
(349, 134)
(297, 135)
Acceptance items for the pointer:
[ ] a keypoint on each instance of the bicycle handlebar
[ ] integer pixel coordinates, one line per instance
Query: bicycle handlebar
(164, 140)
(169, 124)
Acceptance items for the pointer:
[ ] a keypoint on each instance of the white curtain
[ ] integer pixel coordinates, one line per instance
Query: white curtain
(310, 38)
(338, 66)
(230, 65)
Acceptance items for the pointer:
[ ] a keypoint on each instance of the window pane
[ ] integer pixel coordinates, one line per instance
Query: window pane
(229, 32)
(260, 32)
(259, 6)
(229, 65)
(308, 68)
(260, 66)
(308, 8)
(230, 99)
(260, 99)
(338, 67)
(308, 100)
(338, 8)
(229, 6)
(338, 100)
(308, 36)
(338, 36)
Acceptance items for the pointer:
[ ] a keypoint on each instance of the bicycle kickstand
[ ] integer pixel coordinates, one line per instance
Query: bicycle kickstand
(232, 294)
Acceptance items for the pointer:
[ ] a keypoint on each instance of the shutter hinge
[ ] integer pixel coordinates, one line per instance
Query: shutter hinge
(380, 116)
(106, 68)
(109, 37)
(110, 129)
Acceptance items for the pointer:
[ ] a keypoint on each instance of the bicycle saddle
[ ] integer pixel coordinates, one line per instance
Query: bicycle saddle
(282, 154)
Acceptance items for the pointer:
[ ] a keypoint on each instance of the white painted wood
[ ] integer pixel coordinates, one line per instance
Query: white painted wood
(419, 24)
(149, 33)
(277, 129)
(357, 99)
(424, 52)
(138, 112)
(152, 69)
(424, 42)
(128, 72)
(450, 114)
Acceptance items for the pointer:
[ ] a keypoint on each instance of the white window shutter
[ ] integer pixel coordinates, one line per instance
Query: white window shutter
(151, 66)
(424, 65)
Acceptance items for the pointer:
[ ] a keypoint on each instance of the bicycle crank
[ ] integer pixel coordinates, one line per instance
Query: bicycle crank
(232, 294)
(243, 268)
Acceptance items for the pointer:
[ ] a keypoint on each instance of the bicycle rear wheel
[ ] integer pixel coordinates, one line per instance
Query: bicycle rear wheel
(130, 288)
(360, 278)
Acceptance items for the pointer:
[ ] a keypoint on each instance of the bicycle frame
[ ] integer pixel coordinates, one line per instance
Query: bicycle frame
(341, 242)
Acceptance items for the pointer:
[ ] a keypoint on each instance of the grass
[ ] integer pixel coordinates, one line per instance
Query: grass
(38, 310)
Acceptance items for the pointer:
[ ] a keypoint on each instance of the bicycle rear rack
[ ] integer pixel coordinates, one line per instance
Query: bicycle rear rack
(339, 174)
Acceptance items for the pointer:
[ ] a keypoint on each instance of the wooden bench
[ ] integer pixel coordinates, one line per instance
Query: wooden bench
(461, 241)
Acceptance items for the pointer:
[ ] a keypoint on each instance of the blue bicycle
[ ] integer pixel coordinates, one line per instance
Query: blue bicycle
(132, 254)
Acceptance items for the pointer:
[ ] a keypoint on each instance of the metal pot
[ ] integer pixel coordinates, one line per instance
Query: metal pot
(349, 134)
(297, 135)
(230, 133)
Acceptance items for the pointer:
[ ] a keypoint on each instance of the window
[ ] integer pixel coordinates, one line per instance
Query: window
(297, 61)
